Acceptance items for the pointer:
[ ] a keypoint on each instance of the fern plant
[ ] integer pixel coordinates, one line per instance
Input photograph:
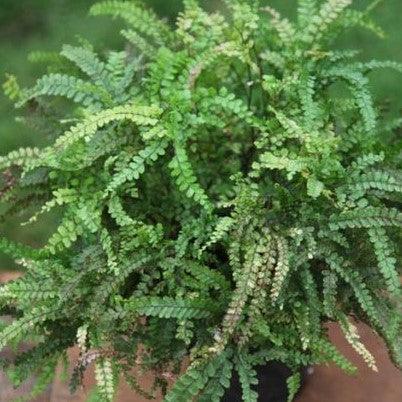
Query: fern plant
(225, 186)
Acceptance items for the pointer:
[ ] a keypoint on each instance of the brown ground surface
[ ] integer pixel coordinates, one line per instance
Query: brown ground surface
(326, 384)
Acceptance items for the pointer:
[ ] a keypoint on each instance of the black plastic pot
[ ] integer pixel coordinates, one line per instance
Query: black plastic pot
(272, 386)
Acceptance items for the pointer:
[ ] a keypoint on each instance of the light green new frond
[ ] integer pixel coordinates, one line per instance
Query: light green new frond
(116, 64)
(369, 217)
(62, 196)
(122, 68)
(140, 115)
(19, 157)
(143, 21)
(88, 62)
(70, 87)
(185, 178)
(386, 260)
(363, 100)
(314, 187)
(105, 379)
(306, 9)
(11, 88)
(65, 235)
(168, 307)
(245, 17)
(46, 58)
(89, 214)
(270, 161)
(292, 128)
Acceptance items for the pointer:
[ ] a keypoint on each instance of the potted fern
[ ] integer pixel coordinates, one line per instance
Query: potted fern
(225, 188)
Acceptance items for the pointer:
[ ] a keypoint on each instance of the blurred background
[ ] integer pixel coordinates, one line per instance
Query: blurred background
(44, 25)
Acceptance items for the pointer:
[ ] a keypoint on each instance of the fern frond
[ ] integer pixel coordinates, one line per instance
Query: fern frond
(140, 115)
(105, 379)
(358, 84)
(206, 276)
(294, 384)
(283, 26)
(329, 293)
(136, 167)
(305, 10)
(216, 385)
(19, 157)
(323, 349)
(11, 88)
(356, 18)
(221, 229)
(88, 62)
(18, 251)
(372, 180)
(46, 58)
(185, 178)
(368, 217)
(386, 261)
(352, 336)
(26, 324)
(195, 379)
(67, 233)
(248, 378)
(140, 19)
(328, 13)
(281, 269)
(270, 161)
(362, 294)
(70, 87)
(25, 291)
(108, 247)
(169, 308)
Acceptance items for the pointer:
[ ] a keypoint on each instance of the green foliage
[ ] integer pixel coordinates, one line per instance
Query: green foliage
(247, 378)
(223, 192)
(294, 383)
(197, 377)
(104, 379)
